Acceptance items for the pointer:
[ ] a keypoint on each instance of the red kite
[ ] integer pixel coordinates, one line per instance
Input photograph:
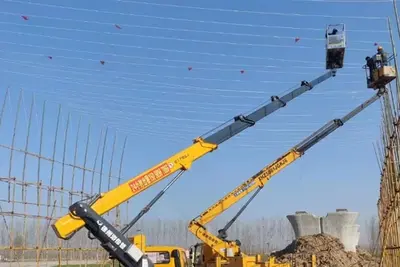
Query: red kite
(297, 39)
(117, 26)
(25, 17)
(189, 68)
(242, 71)
(102, 62)
(50, 57)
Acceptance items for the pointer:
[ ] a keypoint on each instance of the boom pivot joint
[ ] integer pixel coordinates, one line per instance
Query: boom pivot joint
(305, 83)
(382, 91)
(244, 119)
(276, 98)
(338, 122)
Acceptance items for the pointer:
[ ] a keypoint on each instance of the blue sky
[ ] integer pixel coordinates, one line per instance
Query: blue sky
(145, 91)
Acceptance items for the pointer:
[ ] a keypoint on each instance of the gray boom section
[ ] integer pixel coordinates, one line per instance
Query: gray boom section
(302, 147)
(238, 126)
(331, 126)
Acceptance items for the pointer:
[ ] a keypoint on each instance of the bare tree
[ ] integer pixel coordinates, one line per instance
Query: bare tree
(257, 236)
(372, 227)
(18, 245)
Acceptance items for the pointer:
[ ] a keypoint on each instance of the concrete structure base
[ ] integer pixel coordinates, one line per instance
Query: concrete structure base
(340, 224)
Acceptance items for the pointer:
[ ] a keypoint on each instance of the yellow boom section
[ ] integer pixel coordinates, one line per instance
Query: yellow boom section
(66, 226)
(259, 180)
(225, 248)
(183, 160)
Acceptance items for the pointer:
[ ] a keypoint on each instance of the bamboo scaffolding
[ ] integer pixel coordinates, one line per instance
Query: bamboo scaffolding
(52, 160)
(389, 155)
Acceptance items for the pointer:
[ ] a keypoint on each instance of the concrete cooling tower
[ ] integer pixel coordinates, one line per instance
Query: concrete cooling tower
(340, 224)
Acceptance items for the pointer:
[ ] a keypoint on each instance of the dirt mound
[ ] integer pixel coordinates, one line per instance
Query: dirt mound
(329, 251)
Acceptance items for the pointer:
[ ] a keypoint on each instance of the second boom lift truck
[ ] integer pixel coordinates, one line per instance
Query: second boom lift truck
(217, 250)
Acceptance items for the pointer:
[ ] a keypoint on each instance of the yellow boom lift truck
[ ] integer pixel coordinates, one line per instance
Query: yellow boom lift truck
(217, 250)
(87, 213)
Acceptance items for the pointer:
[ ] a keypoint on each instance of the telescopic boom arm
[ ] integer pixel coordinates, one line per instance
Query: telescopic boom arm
(219, 244)
(113, 241)
(67, 225)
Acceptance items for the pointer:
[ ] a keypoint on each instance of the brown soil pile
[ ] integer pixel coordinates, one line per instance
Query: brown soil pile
(329, 251)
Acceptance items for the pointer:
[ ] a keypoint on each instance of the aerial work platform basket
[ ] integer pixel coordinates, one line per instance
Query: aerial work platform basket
(335, 46)
(378, 70)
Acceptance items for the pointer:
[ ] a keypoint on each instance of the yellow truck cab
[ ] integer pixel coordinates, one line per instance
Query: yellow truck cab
(162, 256)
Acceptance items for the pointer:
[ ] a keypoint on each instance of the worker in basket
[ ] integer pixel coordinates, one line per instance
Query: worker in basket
(383, 55)
(371, 66)
(380, 72)
(335, 48)
(334, 32)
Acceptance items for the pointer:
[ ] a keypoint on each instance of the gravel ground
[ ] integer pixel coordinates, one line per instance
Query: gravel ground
(329, 251)
(33, 264)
